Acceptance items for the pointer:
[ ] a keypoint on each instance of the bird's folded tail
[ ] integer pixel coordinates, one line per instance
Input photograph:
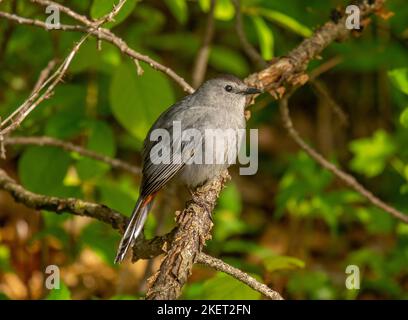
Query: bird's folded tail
(133, 229)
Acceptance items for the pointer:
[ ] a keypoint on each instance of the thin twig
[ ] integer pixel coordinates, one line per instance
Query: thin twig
(107, 35)
(110, 17)
(44, 75)
(343, 176)
(68, 146)
(201, 62)
(220, 265)
(324, 67)
(39, 23)
(194, 229)
(249, 49)
(48, 84)
(322, 90)
(146, 249)
(15, 119)
(60, 205)
(75, 15)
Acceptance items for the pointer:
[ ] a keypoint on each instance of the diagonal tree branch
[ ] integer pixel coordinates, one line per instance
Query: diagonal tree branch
(167, 283)
(143, 249)
(195, 220)
(343, 176)
(59, 205)
(220, 265)
(68, 146)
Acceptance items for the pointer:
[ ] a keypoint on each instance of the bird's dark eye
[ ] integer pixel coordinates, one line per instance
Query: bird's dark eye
(228, 88)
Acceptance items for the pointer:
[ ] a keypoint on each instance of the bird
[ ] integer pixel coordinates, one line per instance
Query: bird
(219, 103)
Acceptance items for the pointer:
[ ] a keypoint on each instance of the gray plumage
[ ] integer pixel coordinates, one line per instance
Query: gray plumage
(218, 104)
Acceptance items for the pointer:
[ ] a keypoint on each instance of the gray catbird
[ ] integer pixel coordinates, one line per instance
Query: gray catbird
(218, 104)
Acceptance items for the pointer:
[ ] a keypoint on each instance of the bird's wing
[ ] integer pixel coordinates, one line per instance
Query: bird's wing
(156, 175)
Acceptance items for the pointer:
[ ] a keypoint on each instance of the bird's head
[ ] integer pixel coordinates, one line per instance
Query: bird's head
(226, 89)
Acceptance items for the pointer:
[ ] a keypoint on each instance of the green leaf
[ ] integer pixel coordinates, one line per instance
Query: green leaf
(64, 125)
(90, 58)
(62, 293)
(282, 263)
(311, 285)
(371, 154)
(5, 259)
(375, 220)
(179, 9)
(281, 19)
(118, 195)
(265, 36)
(101, 140)
(230, 199)
(399, 78)
(404, 118)
(227, 217)
(137, 101)
(224, 9)
(42, 169)
(225, 287)
(102, 239)
(226, 60)
(100, 8)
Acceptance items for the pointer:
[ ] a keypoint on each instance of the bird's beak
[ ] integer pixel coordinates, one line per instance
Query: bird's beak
(251, 90)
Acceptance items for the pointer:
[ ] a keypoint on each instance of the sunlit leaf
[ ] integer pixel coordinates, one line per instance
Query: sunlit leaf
(399, 77)
(265, 36)
(404, 118)
(282, 263)
(281, 19)
(179, 9)
(224, 9)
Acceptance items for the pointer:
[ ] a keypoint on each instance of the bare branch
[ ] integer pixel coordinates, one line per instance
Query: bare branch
(343, 176)
(143, 249)
(15, 119)
(194, 222)
(322, 90)
(201, 62)
(220, 265)
(68, 146)
(59, 205)
(194, 229)
(44, 75)
(107, 35)
(44, 83)
(76, 16)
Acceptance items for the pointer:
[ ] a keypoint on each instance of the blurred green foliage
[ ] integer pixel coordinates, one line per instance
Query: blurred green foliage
(292, 226)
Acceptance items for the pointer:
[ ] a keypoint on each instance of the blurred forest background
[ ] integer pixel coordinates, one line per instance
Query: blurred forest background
(292, 225)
